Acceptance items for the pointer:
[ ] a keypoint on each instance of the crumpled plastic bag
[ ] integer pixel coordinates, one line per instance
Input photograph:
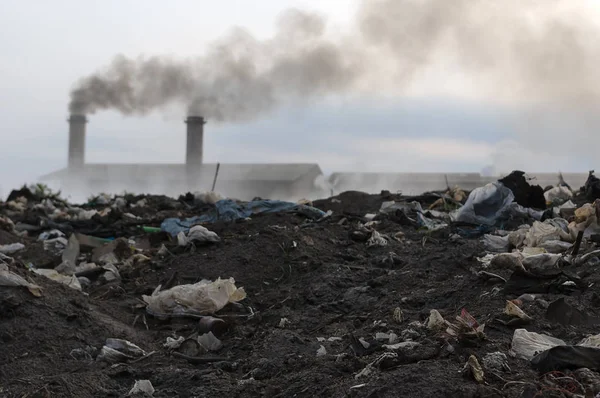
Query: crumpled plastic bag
(555, 246)
(56, 276)
(496, 244)
(201, 298)
(541, 232)
(376, 239)
(541, 262)
(8, 278)
(142, 387)
(485, 205)
(117, 350)
(558, 195)
(526, 345)
(199, 234)
(12, 248)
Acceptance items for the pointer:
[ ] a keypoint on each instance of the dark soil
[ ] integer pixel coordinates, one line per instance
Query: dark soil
(312, 274)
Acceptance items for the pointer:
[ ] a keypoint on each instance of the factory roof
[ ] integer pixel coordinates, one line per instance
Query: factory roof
(227, 171)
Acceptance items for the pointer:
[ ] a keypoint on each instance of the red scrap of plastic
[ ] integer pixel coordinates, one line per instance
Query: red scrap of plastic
(464, 314)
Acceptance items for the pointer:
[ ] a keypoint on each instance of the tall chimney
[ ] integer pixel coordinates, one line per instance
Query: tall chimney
(76, 141)
(194, 148)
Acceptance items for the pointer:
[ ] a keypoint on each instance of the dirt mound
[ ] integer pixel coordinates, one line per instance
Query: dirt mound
(327, 305)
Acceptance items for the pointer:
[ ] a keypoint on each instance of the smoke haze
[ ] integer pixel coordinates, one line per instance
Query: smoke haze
(529, 53)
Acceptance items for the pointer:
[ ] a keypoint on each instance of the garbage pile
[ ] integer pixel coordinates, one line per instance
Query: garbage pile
(449, 293)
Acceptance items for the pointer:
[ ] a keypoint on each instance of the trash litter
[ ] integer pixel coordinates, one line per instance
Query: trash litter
(117, 350)
(142, 387)
(56, 245)
(514, 311)
(209, 342)
(555, 246)
(496, 361)
(526, 195)
(404, 345)
(8, 278)
(436, 321)
(69, 256)
(376, 239)
(12, 248)
(384, 361)
(71, 281)
(509, 261)
(53, 234)
(173, 344)
(201, 298)
(199, 233)
(526, 345)
(473, 368)
(321, 352)
(592, 187)
(229, 210)
(558, 196)
(496, 244)
(541, 262)
(541, 232)
(466, 327)
(567, 357)
(486, 205)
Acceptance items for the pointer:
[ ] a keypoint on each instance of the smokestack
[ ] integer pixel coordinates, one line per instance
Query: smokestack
(194, 148)
(76, 141)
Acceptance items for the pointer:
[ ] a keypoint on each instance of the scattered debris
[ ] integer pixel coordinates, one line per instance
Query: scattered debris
(143, 387)
(202, 298)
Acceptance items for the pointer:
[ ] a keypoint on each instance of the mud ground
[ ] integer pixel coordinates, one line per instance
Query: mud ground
(317, 277)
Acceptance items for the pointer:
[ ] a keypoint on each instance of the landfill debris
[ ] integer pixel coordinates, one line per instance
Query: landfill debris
(52, 274)
(567, 357)
(143, 387)
(202, 298)
(592, 187)
(486, 205)
(312, 281)
(12, 248)
(197, 234)
(210, 342)
(376, 240)
(512, 310)
(436, 321)
(473, 368)
(8, 278)
(322, 351)
(526, 195)
(466, 327)
(118, 350)
(229, 210)
(558, 196)
(526, 345)
(496, 361)
(172, 343)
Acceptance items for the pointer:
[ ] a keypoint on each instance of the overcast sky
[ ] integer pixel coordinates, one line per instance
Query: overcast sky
(46, 46)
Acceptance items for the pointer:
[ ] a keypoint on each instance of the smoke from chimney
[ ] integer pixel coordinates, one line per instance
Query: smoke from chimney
(525, 51)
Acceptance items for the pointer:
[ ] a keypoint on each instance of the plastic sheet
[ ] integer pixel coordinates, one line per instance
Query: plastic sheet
(486, 205)
(201, 298)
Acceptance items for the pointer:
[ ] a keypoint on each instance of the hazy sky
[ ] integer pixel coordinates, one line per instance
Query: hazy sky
(46, 46)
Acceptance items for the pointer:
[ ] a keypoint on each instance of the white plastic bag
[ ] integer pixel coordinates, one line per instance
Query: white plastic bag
(541, 232)
(8, 278)
(558, 195)
(201, 298)
(485, 205)
(526, 345)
